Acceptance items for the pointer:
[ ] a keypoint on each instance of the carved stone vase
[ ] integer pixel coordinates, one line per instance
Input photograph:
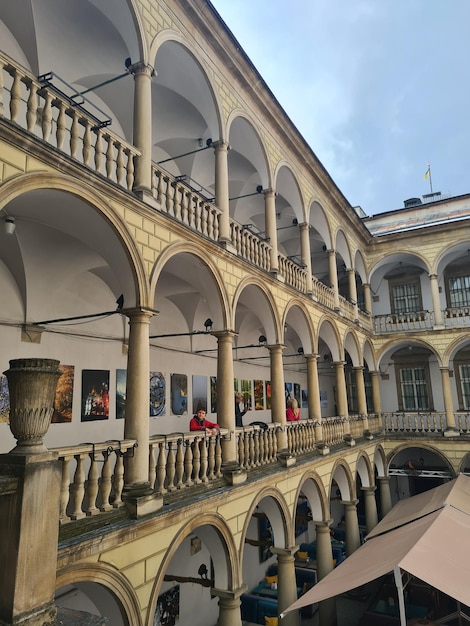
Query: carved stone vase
(32, 385)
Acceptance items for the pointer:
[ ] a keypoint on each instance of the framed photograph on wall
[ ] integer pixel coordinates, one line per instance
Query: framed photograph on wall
(157, 394)
(267, 386)
(64, 395)
(95, 395)
(213, 383)
(258, 386)
(121, 380)
(179, 394)
(168, 608)
(4, 399)
(199, 392)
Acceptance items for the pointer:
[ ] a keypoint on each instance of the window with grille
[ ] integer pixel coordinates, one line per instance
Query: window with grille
(459, 291)
(464, 371)
(351, 389)
(414, 389)
(406, 298)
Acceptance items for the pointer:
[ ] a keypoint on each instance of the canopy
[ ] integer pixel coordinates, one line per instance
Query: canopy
(427, 535)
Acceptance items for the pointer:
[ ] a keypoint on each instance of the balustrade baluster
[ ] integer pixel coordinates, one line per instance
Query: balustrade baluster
(91, 492)
(196, 461)
(256, 438)
(188, 463)
(46, 117)
(130, 169)
(109, 157)
(32, 106)
(246, 448)
(204, 460)
(161, 468)
(120, 169)
(184, 206)
(118, 481)
(241, 448)
(218, 458)
(15, 95)
(105, 487)
(211, 458)
(64, 490)
(77, 488)
(170, 468)
(60, 125)
(179, 464)
(99, 151)
(86, 142)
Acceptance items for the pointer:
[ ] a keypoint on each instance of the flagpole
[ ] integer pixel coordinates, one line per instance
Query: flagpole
(430, 178)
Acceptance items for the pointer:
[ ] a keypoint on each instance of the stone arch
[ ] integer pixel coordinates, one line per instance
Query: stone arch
(296, 316)
(214, 529)
(265, 308)
(109, 577)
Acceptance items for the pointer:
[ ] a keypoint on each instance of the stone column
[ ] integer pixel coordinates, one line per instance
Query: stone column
(313, 386)
(436, 302)
(353, 538)
(374, 374)
(333, 276)
(361, 396)
(367, 297)
(385, 495)
(278, 397)
(221, 188)
(226, 406)
(451, 427)
(136, 424)
(327, 608)
(305, 254)
(143, 125)
(229, 606)
(286, 585)
(370, 507)
(353, 290)
(271, 227)
(341, 395)
(30, 481)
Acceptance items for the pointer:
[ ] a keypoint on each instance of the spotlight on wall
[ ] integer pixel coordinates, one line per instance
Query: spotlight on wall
(9, 225)
(208, 325)
(262, 340)
(300, 350)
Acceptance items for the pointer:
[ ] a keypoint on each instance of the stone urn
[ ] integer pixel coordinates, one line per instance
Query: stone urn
(32, 384)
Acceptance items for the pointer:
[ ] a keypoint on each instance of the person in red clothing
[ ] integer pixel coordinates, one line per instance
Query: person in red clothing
(293, 411)
(199, 422)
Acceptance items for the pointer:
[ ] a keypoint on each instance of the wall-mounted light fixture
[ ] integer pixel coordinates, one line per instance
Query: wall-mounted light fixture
(9, 225)
(262, 340)
(208, 325)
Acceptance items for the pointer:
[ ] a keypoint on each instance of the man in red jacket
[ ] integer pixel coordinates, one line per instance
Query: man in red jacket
(199, 422)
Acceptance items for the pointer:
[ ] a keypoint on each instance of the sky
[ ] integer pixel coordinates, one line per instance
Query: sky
(377, 88)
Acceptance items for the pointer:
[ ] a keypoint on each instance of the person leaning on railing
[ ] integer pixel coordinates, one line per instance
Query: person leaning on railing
(199, 422)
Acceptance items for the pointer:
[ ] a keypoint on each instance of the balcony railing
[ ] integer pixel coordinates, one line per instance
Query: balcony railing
(62, 123)
(457, 317)
(399, 322)
(93, 474)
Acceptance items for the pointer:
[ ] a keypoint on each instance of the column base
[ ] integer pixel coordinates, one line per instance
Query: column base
(145, 195)
(368, 435)
(234, 474)
(227, 245)
(141, 500)
(452, 432)
(322, 448)
(349, 441)
(286, 458)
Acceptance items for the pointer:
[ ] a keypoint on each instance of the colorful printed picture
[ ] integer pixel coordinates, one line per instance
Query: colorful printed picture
(95, 395)
(121, 380)
(4, 399)
(304, 404)
(179, 394)
(213, 382)
(258, 386)
(268, 394)
(64, 395)
(324, 399)
(199, 393)
(157, 394)
(247, 393)
(297, 392)
(168, 608)
(288, 392)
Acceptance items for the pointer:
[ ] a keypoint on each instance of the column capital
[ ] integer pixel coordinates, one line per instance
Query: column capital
(220, 144)
(339, 363)
(229, 594)
(322, 524)
(350, 504)
(369, 490)
(433, 276)
(142, 68)
(135, 312)
(331, 251)
(358, 368)
(312, 357)
(383, 479)
(269, 192)
(220, 334)
(284, 553)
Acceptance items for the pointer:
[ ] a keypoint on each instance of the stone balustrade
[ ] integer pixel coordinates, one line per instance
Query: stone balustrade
(293, 274)
(61, 122)
(323, 294)
(399, 322)
(413, 422)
